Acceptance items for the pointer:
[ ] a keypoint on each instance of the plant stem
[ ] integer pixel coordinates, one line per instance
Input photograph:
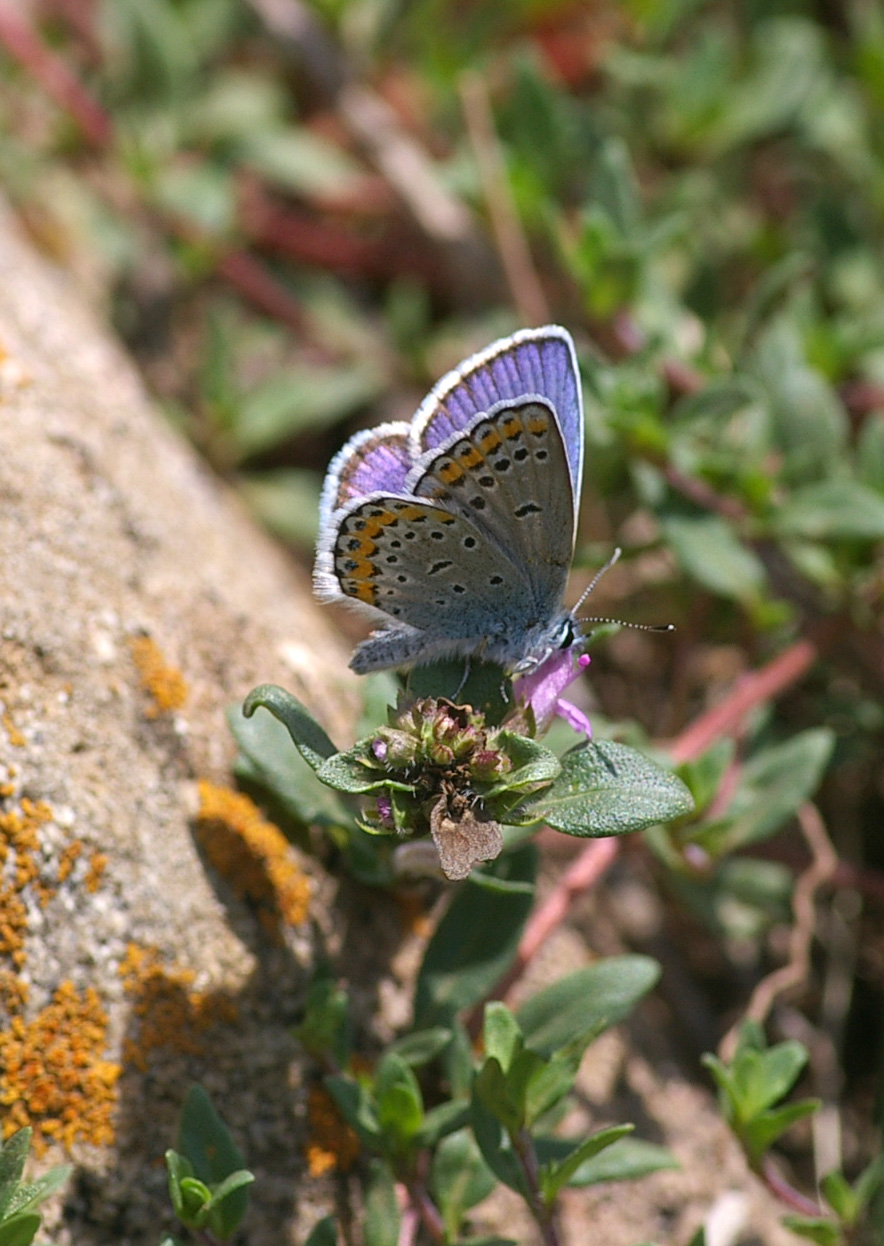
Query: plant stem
(544, 1216)
(786, 1193)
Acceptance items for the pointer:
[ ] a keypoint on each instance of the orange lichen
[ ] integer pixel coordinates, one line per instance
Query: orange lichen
(172, 1016)
(53, 1076)
(13, 926)
(253, 855)
(13, 992)
(97, 866)
(163, 683)
(16, 739)
(67, 858)
(20, 838)
(333, 1145)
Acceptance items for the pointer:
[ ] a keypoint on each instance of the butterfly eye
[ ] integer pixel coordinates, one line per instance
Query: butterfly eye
(568, 633)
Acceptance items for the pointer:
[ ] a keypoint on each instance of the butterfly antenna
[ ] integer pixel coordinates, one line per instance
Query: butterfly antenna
(639, 627)
(615, 557)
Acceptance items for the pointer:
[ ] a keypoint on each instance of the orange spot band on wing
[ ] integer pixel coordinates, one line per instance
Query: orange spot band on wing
(489, 441)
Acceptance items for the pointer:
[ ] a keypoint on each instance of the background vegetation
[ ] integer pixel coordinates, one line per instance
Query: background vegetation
(298, 215)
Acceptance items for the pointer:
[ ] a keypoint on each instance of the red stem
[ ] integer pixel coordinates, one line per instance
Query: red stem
(23, 42)
(786, 1193)
(752, 690)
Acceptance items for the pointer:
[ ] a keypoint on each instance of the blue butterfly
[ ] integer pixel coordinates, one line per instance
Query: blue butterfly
(456, 531)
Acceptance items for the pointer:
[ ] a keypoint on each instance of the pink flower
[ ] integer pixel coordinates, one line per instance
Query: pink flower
(542, 689)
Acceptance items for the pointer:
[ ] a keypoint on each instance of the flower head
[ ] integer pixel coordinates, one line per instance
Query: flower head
(543, 687)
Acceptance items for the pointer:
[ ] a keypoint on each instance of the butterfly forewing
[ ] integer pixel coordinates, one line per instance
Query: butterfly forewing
(508, 475)
(532, 362)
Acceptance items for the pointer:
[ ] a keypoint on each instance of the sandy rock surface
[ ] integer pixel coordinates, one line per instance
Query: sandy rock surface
(124, 570)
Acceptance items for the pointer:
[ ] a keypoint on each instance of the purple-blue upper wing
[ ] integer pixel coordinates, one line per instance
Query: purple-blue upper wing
(533, 362)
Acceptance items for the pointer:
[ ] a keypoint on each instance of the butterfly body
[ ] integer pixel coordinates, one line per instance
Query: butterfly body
(456, 531)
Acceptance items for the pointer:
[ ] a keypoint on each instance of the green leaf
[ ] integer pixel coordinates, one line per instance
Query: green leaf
(533, 766)
(179, 1168)
(194, 1199)
(772, 785)
(357, 1109)
(588, 1000)
(286, 500)
(491, 882)
(347, 772)
(501, 1036)
(808, 421)
(325, 1029)
(710, 551)
(267, 759)
(815, 1229)
(421, 1046)
(493, 1090)
(307, 736)
(496, 1147)
(703, 775)
(625, 1160)
(323, 1233)
(227, 1205)
(19, 1229)
(30, 1194)
(555, 1078)
(840, 509)
(474, 943)
(763, 1130)
(13, 1155)
(788, 64)
(557, 1174)
(440, 1121)
(485, 686)
(400, 1108)
(772, 1073)
(381, 1221)
(870, 452)
(609, 789)
(296, 159)
(459, 1179)
(309, 399)
(378, 691)
(840, 1197)
(199, 192)
(205, 1140)
(870, 1182)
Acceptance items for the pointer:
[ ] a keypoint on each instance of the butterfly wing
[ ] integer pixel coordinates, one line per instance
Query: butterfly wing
(374, 459)
(507, 473)
(532, 363)
(436, 576)
(457, 530)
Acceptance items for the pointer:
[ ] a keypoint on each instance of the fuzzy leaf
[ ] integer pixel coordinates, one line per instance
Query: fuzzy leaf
(307, 736)
(474, 943)
(459, 1178)
(13, 1154)
(589, 1000)
(559, 1173)
(608, 789)
(19, 1229)
(266, 758)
